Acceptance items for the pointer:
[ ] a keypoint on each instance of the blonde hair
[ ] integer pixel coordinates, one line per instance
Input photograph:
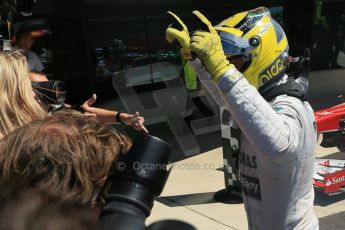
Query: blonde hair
(66, 152)
(17, 102)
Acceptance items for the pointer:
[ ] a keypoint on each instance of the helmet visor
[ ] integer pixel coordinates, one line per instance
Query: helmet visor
(234, 45)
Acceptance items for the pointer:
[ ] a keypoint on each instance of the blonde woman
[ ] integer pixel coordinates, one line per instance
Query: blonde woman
(17, 103)
(103, 115)
(18, 106)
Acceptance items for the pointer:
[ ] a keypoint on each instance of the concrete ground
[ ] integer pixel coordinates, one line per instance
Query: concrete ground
(188, 196)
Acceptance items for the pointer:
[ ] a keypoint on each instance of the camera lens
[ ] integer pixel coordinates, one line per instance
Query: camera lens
(144, 171)
(50, 92)
(138, 178)
(60, 92)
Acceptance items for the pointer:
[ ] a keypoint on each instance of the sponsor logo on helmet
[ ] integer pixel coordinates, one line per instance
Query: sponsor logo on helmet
(264, 29)
(247, 23)
(273, 70)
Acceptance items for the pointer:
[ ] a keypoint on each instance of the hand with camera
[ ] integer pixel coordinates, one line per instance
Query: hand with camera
(111, 117)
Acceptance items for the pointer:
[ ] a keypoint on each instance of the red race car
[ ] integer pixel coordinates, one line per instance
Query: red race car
(331, 123)
(329, 174)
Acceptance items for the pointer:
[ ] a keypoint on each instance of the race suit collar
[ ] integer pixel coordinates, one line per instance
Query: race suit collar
(292, 87)
(293, 84)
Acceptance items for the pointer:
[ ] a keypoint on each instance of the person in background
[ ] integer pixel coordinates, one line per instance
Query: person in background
(24, 41)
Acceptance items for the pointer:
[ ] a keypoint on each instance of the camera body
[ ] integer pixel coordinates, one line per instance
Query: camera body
(136, 180)
(50, 92)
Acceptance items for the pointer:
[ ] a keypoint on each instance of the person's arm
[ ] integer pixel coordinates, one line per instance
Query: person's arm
(110, 117)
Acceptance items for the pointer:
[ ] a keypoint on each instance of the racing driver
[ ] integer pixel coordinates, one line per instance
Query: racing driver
(242, 63)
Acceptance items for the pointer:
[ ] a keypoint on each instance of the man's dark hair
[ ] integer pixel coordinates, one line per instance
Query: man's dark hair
(67, 152)
(38, 210)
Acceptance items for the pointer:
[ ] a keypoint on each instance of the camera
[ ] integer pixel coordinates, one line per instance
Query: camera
(136, 180)
(50, 92)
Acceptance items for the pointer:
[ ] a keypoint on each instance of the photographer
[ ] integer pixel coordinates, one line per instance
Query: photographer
(79, 160)
(17, 102)
(66, 153)
(103, 115)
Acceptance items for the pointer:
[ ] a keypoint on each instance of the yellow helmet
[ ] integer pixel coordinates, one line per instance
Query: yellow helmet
(260, 39)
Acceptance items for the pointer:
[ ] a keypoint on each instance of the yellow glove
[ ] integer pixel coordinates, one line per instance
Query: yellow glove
(181, 36)
(208, 47)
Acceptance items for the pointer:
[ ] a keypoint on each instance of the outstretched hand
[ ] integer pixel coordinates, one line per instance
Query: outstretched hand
(134, 120)
(108, 116)
(87, 106)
